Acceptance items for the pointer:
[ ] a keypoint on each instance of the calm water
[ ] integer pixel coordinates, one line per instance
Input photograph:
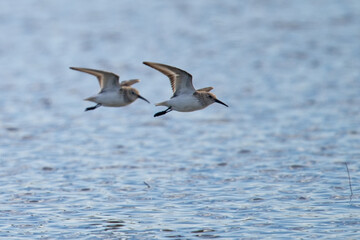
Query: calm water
(271, 166)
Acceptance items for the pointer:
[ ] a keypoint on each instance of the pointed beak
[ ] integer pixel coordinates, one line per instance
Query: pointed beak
(218, 101)
(143, 98)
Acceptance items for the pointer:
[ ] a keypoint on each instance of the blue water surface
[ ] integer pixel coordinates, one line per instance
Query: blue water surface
(271, 166)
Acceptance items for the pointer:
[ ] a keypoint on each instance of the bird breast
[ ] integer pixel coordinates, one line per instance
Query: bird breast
(185, 103)
(112, 99)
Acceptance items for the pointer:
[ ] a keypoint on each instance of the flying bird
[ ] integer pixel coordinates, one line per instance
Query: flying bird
(112, 93)
(185, 97)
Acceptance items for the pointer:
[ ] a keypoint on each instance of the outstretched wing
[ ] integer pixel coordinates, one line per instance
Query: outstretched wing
(180, 80)
(107, 80)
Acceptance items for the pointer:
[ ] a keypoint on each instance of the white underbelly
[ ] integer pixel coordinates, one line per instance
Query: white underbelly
(185, 103)
(110, 99)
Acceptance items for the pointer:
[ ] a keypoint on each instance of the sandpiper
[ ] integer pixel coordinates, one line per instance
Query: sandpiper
(185, 97)
(112, 93)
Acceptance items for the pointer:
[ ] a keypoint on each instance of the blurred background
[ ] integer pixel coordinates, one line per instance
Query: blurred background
(270, 165)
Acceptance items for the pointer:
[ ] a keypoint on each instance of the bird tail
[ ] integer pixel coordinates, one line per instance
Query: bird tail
(162, 104)
(91, 99)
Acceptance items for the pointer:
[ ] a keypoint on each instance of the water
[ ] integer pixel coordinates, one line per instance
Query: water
(271, 166)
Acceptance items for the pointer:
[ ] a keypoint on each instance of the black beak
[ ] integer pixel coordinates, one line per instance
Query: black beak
(218, 101)
(143, 98)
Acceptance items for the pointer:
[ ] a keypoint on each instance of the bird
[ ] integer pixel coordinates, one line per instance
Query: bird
(185, 98)
(112, 93)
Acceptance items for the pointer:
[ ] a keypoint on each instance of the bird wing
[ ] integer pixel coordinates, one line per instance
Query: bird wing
(129, 82)
(107, 80)
(206, 89)
(181, 81)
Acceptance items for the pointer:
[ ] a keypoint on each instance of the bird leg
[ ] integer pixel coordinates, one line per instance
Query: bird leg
(94, 107)
(163, 112)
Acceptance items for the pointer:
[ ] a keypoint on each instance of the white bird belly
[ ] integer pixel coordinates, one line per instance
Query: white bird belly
(110, 99)
(185, 103)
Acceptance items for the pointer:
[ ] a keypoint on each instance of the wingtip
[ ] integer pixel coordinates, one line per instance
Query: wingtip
(74, 68)
(151, 63)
